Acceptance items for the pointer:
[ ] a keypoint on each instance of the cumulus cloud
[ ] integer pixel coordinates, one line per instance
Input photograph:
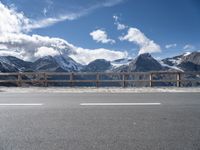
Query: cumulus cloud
(115, 18)
(135, 36)
(11, 21)
(170, 46)
(9, 53)
(119, 25)
(46, 51)
(15, 42)
(27, 45)
(146, 45)
(84, 56)
(33, 47)
(101, 36)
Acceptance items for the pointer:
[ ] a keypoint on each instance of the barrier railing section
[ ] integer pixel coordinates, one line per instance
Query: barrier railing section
(123, 78)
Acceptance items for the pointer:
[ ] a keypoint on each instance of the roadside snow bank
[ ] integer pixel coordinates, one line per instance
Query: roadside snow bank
(97, 90)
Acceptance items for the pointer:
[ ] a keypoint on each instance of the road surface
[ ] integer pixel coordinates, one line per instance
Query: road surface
(89, 121)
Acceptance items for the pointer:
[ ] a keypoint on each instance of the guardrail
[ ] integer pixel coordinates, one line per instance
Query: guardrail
(122, 78)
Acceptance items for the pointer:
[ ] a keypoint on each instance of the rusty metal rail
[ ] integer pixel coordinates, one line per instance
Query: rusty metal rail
(123, 78)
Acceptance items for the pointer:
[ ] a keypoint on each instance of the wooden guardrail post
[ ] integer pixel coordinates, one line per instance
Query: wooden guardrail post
(124, 82)
(45, 80)
(150, 80)
(178, 79)
(19, 79)
(97, 79)
(71, 78)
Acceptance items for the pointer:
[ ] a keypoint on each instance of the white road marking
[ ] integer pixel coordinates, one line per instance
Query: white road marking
(21, 104)
(120, 104)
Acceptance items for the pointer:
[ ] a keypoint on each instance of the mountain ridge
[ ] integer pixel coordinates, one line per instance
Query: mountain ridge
(142, 63)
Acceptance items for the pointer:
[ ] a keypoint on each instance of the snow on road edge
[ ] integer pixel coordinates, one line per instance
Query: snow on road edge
(97, 90)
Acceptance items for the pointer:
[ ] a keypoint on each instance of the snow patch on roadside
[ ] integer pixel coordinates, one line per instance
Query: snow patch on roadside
(97, 90)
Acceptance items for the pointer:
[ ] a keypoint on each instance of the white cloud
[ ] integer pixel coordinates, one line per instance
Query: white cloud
(109, 3)
(101, 36)
(33, 47)
(170, 46)
(49, 4)
(16, 22)
(36, 24)
(116, 18)
(45, 11)
(11, 21)
(15, 42)
(3, 47)
(27, 45)
(84, 56)
(69, 16)
(10, 53)
(46, 51)
(189, 47)
(145, 44)
(119, 25)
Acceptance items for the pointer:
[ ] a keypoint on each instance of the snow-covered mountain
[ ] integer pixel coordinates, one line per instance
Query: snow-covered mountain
(99, 65)
(13, 64)
(189, 61)
(142, 63)
(56, 63)
(120, 62)
(47, 63)
(174, 61)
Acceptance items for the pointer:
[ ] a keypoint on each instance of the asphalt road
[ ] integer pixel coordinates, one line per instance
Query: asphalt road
(54, 121)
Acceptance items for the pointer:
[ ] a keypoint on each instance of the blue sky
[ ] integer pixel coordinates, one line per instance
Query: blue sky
(166, 27)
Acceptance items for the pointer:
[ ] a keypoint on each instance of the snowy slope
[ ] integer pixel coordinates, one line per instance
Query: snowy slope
(120, 62)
